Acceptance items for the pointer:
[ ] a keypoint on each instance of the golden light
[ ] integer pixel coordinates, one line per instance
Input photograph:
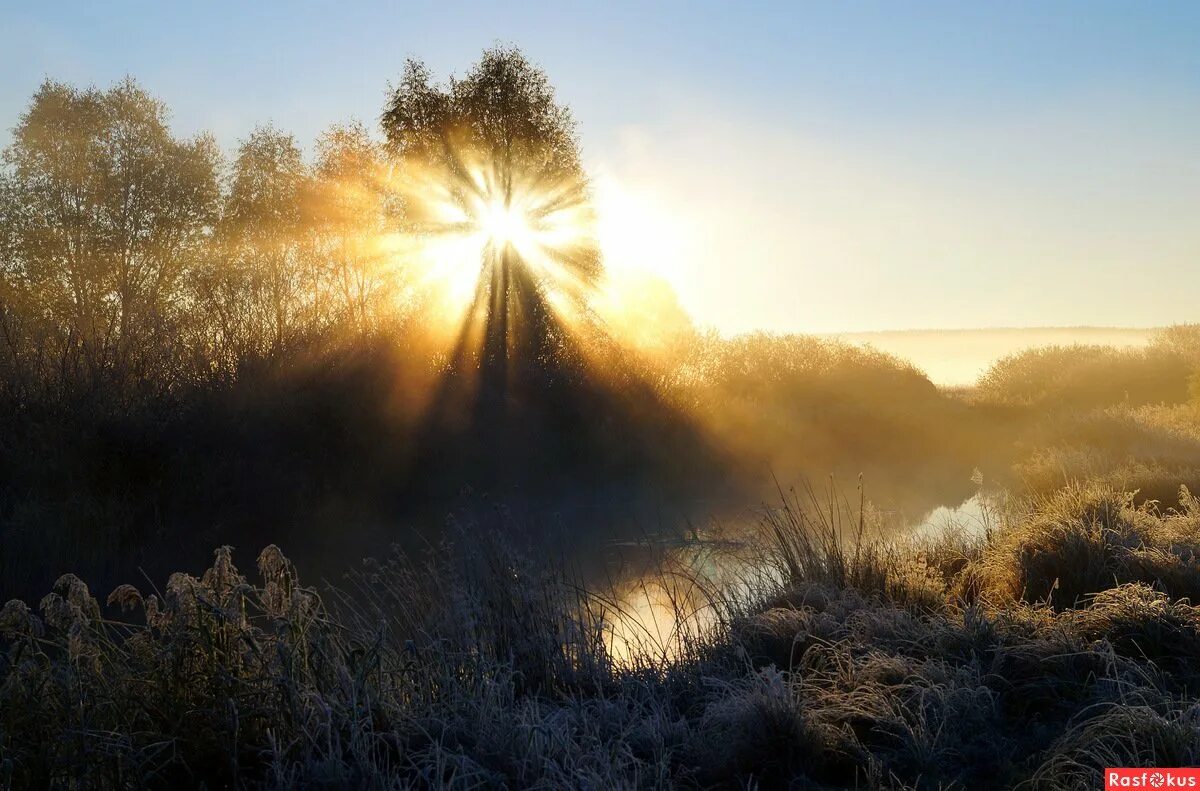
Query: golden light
(468, 227)
(505, 225)
(646, 252)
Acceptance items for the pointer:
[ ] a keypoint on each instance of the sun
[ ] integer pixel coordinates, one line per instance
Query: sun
(505, 225)
(484, 241)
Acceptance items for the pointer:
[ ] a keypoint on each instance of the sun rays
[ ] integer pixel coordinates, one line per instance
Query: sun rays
(493, 244)
(505, 225)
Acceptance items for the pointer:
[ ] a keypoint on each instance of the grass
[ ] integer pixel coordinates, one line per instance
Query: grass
(1062, 642)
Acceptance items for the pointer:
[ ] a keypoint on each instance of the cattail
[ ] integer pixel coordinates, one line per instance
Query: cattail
(272, 564)
(302, 601)
(155, 617)
(76, 592)
(58, 612)
(273, 599)
(80, 645)
(182, 589)
(223, 577)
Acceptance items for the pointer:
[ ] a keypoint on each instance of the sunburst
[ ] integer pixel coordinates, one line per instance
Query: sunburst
(480, 234)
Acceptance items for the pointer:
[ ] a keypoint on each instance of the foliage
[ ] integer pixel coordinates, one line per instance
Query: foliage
(129, 272)
(105, 214)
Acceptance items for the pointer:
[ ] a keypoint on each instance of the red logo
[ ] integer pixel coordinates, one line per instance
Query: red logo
(1153, 778)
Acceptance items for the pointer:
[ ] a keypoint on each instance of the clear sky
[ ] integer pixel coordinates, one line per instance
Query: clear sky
(789, 166)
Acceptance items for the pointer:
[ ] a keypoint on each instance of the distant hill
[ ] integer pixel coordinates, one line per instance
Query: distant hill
(958, 357)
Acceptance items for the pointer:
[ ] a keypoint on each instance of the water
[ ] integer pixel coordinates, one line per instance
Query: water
(671, 590)
(974, 517)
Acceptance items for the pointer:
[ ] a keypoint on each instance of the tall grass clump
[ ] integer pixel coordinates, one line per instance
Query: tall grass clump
(1085, 539)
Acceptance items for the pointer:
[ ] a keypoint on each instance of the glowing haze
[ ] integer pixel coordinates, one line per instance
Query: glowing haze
(819, 167)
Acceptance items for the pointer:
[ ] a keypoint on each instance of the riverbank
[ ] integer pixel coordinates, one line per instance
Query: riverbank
(1040, 652)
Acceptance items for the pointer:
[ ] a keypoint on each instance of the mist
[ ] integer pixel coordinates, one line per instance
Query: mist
(959, 358)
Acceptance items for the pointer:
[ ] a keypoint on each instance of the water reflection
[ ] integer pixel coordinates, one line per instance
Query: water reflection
(671, 589)
(975, 517)
(669, 592)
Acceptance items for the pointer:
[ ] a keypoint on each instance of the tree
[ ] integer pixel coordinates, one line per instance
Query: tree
(498, 148)
(106, 211)
(352, 211)
(494, 156)
(265, 292)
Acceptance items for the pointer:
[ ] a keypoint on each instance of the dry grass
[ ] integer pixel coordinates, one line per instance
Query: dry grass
(1058, 644)
(1086, 539)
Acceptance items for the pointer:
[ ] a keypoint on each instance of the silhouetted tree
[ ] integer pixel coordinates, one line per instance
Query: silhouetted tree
(519, 405)
(497, 138)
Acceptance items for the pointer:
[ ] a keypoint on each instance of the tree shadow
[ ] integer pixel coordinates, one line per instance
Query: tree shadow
(525, 408)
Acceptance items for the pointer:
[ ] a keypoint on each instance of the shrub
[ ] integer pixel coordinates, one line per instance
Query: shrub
(1085, 377)
(1121, 735)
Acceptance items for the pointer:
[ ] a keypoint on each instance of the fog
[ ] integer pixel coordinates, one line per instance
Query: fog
(957, 358)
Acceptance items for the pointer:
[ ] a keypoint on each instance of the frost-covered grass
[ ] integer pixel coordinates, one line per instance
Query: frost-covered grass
(1060, 643)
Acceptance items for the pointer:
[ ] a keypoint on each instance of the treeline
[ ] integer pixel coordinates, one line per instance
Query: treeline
(198, 349)
(134, 261)
(1167, 371)
(1127, 417)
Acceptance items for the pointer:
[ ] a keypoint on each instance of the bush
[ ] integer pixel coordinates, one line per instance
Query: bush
(1121, 735)
(1084, 540)
(1085, 377)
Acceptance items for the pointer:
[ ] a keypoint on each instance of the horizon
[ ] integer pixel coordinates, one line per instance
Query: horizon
(1027, 328)
(960, 357)
(871, 169)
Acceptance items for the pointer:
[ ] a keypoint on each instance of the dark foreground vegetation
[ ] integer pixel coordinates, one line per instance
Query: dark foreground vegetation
(1059, 640)
(1059, 643)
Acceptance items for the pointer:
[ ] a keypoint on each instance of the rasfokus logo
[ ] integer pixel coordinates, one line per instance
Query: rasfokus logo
(1157, 777)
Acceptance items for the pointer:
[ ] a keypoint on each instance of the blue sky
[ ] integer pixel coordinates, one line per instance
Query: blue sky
(815, 166)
